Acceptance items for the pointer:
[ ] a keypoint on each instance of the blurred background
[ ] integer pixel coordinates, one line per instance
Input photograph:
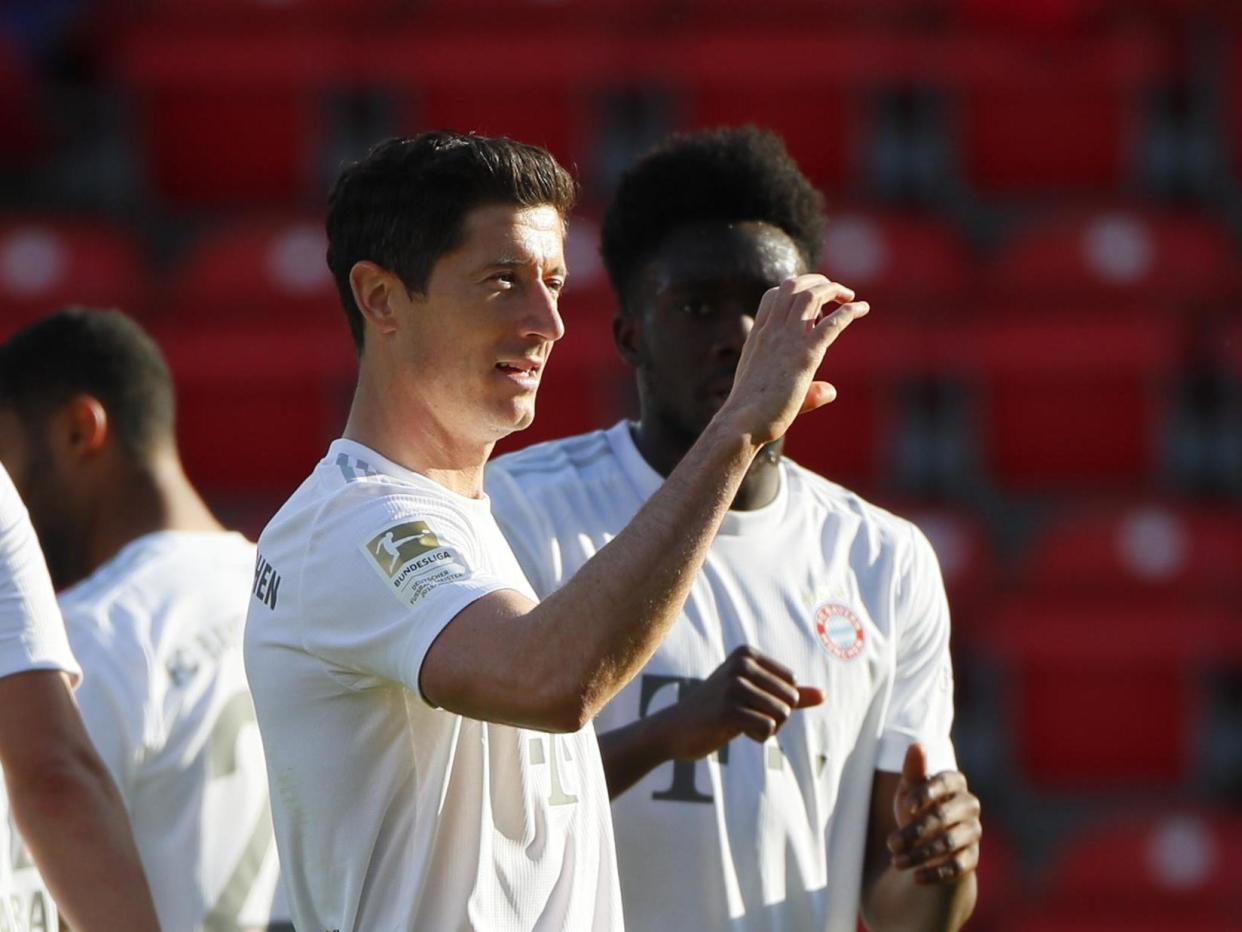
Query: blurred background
(1042, 199)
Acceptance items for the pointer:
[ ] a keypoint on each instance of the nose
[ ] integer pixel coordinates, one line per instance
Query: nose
(543, 317)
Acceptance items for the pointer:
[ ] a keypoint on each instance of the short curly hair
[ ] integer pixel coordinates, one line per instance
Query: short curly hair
(730, 174)
(403, 206)
(102, 353)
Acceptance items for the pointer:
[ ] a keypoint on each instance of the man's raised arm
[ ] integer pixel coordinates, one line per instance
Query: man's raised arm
(553, 665)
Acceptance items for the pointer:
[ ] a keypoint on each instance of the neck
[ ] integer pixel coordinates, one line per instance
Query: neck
(404, 430)
(759, 487)
(147, 497)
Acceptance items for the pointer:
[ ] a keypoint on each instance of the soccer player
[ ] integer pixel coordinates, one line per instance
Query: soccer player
(63, 801)
(808, 593)
(154, 610)
(427, 722)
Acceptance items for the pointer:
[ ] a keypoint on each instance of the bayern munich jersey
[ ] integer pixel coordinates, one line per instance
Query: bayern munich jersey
(31, 638)
(392, 813)
(756, 836)
(158, 631)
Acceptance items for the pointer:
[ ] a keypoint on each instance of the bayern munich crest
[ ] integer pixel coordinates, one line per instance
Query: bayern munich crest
(839, 630)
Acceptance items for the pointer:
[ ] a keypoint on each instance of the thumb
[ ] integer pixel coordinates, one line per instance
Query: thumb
(809, 696)
(818, 395)
(914, 769)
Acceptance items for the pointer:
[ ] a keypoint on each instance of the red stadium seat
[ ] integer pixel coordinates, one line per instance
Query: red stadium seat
(231, 119)
(850, 441)
(1106, 690)
(46, 264)
(1151, 548)
(261, 271)
(1093, 918)
(781, 82)
(967, 558)
(1170, 258)
(900, 263)
(1067, 400)
(261, 13)
(1057, 115)
(257, 404)
(1163, 861)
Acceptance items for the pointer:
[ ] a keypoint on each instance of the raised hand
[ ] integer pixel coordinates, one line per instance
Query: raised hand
(938, 819)
(750, 694)
(775, 379)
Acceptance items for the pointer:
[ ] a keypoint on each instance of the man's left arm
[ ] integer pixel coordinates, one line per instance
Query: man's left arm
(923, 829)
(922, 849)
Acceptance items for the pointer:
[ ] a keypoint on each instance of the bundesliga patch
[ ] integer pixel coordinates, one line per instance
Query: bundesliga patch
(839, 630)
(412, 560)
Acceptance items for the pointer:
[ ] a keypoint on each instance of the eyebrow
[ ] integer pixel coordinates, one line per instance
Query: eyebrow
(510, 263)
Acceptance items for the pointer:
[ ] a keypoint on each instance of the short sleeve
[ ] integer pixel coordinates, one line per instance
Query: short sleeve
(524, 527)
(381, 581)
(921, 705)
(113, 696)
(32, 635)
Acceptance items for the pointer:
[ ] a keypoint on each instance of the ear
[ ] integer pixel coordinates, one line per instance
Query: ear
(627, 335)
(374, 289)
(82, 426)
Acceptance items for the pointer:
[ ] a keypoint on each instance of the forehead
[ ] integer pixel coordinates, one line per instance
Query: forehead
(509, 233)
(722, 253)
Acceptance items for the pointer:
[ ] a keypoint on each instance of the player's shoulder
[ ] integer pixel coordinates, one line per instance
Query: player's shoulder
(545, 476)
(354, 499)
(833, 499)
(576, 458)
(133, 595)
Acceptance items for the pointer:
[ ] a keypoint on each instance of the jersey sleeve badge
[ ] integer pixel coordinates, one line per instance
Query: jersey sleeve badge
(412, 560)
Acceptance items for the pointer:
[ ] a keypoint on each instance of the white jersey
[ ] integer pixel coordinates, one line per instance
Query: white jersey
(391, 813)
(158, 631)
(31, 638)
(756, 836)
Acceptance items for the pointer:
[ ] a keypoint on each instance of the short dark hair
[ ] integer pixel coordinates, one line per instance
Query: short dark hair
(100, 353)
(730, 174)
(402, 206)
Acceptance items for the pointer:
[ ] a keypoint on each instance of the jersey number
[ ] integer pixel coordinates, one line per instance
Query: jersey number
(225, 915)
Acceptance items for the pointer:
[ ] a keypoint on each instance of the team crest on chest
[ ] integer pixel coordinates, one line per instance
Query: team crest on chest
(839, 630)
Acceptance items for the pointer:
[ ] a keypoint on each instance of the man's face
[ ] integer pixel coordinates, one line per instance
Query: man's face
(47, 490)
(486, 324)
(693, 306)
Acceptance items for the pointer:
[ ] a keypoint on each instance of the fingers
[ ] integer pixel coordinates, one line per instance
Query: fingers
(943, 844)
(831, 326)
(949, 868)
(744, 654)
(959, 810)
(762, 693)
(818, 395)
(809, 696)
(921, 797)
(802, 297)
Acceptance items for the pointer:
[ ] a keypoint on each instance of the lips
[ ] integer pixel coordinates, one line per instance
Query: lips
(527, 367)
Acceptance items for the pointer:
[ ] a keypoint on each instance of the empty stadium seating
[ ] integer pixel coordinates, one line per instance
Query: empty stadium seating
(1115, 258)
(1107, 690)
(48, 262)
(1154, 548)
(908, 264)
(1067, 399)
(260, 270)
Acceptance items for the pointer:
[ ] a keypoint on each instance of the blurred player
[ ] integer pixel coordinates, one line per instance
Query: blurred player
(808, 593)
(62, 799)
(426, 722)
(154, 611)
